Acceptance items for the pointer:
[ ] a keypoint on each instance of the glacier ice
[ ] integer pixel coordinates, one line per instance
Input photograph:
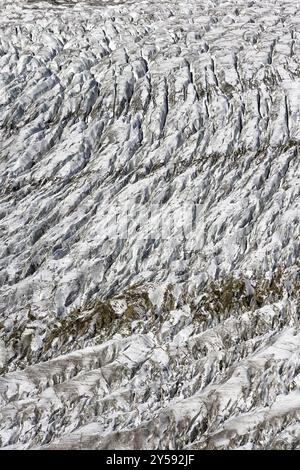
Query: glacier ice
(149, 224)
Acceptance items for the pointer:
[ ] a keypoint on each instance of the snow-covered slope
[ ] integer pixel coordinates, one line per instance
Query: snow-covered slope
(149, 224)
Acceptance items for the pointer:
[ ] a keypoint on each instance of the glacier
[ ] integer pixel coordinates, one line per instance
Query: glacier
(149, 224)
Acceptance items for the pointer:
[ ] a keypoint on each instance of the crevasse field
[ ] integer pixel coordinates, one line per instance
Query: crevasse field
(149, 224)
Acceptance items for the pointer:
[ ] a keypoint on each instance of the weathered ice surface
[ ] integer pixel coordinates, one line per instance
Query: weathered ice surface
(149, 224)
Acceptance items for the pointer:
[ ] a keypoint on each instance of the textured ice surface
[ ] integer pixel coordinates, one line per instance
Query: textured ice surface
(149, 224)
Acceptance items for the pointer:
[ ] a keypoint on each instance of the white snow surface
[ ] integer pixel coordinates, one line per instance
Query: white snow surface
(149, 168)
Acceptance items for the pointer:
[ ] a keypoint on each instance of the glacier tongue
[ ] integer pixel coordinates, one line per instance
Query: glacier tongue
(149, 224)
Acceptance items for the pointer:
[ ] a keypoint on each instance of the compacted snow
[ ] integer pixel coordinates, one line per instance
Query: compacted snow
(149, 224)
